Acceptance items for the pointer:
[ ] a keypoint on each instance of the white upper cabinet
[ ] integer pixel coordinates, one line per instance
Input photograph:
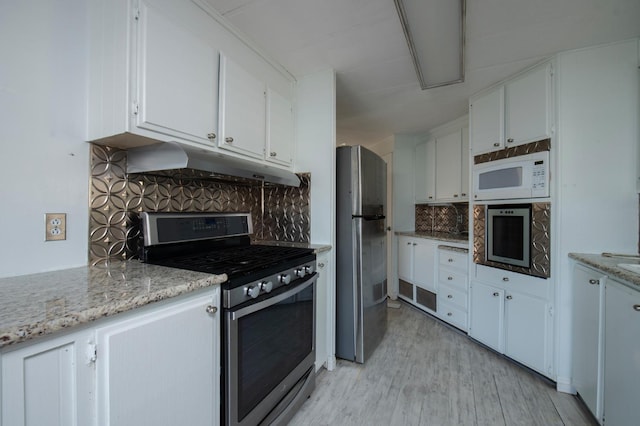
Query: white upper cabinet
(425, 172)
(177, 94)
(242, 110)
(528, 111)
(486, 121)
(449, 166)
(280, 138)
(514, 113)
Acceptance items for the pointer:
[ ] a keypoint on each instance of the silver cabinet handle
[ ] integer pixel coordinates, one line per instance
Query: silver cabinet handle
(211, 136)
(228, 140)
(449, 296)
(496, 144)
(320, 265)
(415, 244)
(510, 140)
(455, 195)
(463, 194)
(496, 294)
(409, 243)
(449, 314)
(211, 309)
(636, 308)
(273, 154)
(450, 260)
(505, 279)
(594, 282)
(449, 278)
(509, 297)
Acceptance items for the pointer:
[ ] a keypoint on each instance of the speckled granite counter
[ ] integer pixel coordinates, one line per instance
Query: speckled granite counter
(454, 249)
(41, 304)
(609, 265)
(440, 236)
(317, 248)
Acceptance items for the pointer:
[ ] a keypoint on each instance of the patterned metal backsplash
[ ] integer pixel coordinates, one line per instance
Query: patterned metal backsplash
(540, 241)
(449, 218)
(279, 212)
(516, 151)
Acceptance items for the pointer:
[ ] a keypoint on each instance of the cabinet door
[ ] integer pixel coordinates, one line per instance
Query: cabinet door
(449, 159)
(588, 286)
(486, 121)
(486, 320)
(526, 330)
(322, 311)
(280, 139)
(528, 100)
(48, 383)
(465, 167)
(424, 264)
(420, 173)
(621, 355)
(177, 79)
(242, 110)
(405, 258)
(162, 367)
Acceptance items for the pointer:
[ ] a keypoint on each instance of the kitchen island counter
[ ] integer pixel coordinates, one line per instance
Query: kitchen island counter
(41, 304)
(609, 265)
(440, 236)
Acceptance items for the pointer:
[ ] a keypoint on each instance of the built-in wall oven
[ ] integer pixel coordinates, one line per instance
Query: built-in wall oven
(268, 301)
(508, 237)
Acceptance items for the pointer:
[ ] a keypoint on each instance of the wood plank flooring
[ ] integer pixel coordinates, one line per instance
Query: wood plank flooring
(425, 373)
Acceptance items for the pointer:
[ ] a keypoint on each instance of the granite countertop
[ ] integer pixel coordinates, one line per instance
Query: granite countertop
(440, 236)
(609, 265)
(41, 304)
(317, 248)
(455, 249)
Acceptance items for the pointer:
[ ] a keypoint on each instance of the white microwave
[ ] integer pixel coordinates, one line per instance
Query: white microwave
(525, 176)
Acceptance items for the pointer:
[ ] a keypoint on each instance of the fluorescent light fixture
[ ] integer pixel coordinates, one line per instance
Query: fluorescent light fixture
(434, 30)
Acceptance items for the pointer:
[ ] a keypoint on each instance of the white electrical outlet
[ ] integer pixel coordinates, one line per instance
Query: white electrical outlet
(55, 225)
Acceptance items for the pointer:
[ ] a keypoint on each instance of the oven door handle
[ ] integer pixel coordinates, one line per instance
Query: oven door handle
(273, 300)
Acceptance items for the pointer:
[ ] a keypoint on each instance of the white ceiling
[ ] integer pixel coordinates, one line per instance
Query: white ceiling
(377, 89)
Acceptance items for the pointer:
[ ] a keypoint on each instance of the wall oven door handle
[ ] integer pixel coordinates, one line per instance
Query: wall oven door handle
(273, 300)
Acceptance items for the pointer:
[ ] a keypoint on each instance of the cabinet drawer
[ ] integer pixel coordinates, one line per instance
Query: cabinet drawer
(453, 259)
(452, 295)
(453, 315)
(449, 277)
(534, 286)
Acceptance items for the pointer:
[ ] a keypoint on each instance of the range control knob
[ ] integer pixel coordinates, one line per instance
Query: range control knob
(266, 286)
(284, 278)
(309, 269)
(253, 291)
(299, 272)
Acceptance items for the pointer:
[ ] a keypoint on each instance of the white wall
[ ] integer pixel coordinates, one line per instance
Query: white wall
(45, 164)
(598, 136)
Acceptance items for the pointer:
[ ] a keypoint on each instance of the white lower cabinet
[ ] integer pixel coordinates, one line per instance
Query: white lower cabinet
(511, 313)
(162, 367)
(621, 355)
(322, 311)
(452, 287)
(588, 292)
(416, 271)
(49, 383)
(153, 366)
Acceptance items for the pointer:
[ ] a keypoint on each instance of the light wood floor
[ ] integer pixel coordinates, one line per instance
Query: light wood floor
(425, 373)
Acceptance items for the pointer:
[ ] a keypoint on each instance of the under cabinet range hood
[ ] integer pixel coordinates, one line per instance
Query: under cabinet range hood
(171, 156)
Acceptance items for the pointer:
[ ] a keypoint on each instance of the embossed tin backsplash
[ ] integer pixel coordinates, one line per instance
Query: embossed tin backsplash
(540, 241)
(451, 218)
(279, 213)
(516, 151)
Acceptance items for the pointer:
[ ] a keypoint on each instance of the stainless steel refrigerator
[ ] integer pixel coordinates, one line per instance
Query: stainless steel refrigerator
(361, 256)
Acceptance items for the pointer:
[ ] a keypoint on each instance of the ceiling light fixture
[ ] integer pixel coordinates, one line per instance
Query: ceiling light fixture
(435, 33)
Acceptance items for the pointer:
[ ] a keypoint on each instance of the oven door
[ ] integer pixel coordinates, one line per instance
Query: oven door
(509, 234)
(269, 350)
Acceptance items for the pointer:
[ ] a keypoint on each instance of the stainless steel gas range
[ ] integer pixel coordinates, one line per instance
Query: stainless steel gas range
(268, 332)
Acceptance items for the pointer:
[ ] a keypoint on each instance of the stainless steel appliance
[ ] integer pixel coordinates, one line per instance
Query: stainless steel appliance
(526, 176)
(509, 234)
(361, 276)
(269, 309)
